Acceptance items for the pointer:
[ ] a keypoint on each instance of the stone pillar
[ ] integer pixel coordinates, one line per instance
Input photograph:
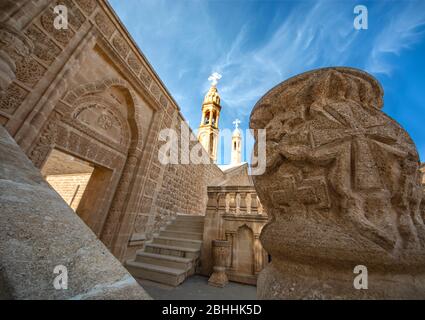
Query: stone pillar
(211, 230)
(343, 188)
(248, 200)
(220, 255)
(242, 203)
(258, 254)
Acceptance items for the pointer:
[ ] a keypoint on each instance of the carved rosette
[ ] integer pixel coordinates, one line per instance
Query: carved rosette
(343, 187)
(220, 255)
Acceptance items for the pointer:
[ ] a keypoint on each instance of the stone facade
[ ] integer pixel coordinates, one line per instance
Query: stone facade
(89, 92)
(343, 188)
(235, 216)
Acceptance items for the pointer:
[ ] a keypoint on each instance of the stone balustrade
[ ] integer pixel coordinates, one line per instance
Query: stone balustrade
(235, 214)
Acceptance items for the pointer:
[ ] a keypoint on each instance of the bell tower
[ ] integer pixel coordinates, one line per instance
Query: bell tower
(236, 154)
(208, 129)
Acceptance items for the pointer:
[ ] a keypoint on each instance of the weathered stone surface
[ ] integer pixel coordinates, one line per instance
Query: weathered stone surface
(220, 255)
(233, 214)
(343, 187)
(38, 231)
(90, 94)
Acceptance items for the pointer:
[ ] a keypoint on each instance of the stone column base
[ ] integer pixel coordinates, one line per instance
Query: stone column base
(288, 280)
(218, 278)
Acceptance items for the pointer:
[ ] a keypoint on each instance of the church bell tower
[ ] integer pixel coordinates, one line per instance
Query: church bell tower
(236, 154)
(208, 129)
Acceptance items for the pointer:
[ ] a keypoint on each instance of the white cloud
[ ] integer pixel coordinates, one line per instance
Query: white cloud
(307, 35)
(402, 31)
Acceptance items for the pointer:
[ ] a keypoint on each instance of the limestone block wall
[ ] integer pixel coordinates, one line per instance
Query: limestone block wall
(183, 186)
(70, 186)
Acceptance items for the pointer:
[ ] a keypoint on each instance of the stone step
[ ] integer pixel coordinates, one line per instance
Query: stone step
(164, 260)
(161, 274)
(181, 234)
(172, 250)
(185, 227)
(186, 243)
(190, 218)
(173, 254)
(188, 223)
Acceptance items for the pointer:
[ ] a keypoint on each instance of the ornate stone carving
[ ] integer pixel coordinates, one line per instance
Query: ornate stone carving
(343, 185)
(63, 35)
(105, 25)
(44, 48)
(145, 77)
(140, 223)
(105, 121)
(13, 45)
(87, 6)
(155, 90)
(164, 101)
(112, 222)
(28, 70)
(220, 255)
(134, 63)
(75, 16)
(12, 98)
(121, 45)
(94, 115)
(45, 141)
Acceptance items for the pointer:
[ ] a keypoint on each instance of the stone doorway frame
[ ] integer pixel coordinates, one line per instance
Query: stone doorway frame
(58, 132)
(91, 205)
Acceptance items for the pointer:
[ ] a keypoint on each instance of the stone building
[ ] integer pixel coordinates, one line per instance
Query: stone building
(87, 109)
(84, 186)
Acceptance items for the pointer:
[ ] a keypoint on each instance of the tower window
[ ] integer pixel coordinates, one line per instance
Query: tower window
(234, 145)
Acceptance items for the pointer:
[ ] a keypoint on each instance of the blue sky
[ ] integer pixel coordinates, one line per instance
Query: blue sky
(257, 44)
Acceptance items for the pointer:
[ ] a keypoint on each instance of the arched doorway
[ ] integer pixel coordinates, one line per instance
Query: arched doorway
(96, 123)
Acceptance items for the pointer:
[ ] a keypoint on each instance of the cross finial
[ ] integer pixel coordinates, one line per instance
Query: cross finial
(214, 77)
(236, 123)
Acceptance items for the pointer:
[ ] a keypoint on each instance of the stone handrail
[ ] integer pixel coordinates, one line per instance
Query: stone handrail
(240, 200)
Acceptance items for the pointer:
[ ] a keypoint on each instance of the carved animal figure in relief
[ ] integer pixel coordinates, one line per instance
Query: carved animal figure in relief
(338, 159)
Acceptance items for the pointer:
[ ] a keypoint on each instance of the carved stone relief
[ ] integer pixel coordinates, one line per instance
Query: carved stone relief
(88, 6)
(13, 46)
(104, 24)
(44, 48)
(63, 36)
(103, 120)
(12, 98)
(342, 183)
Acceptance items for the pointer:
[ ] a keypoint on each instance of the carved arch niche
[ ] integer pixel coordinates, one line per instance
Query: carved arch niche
(96, 122)
(245, 262)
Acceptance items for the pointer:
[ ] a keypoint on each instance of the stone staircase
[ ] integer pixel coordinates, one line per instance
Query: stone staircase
(173, 255)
